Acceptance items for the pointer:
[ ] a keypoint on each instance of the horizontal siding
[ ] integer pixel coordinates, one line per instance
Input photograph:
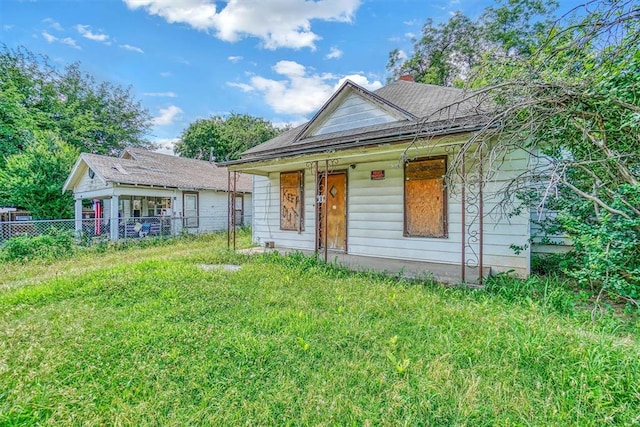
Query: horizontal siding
(86, 184)
(213, 204)
(376, 220)
(354, 112)
(266, 208)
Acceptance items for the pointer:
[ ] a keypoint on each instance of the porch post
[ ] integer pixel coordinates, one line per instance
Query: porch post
(78, 216)
(113, 217)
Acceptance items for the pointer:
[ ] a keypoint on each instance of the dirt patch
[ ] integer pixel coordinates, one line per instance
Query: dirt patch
(224, 267)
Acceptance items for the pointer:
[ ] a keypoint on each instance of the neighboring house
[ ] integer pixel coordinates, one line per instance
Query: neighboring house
(363, 183)
(9, 215)
(145, 192)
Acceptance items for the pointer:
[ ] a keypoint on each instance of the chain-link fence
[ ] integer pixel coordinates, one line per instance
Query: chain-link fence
(94, 230)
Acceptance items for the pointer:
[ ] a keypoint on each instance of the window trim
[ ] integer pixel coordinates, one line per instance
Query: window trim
(185, 218)
(299, 226)
(445, 200)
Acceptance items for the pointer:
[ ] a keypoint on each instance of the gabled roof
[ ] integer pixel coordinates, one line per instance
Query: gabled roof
(138, 166)
(418, 108)
(338, 98)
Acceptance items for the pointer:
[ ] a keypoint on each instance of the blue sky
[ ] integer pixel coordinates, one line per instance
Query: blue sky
(190, 59)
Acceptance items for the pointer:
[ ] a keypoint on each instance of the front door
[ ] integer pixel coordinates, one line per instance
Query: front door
(332, 202)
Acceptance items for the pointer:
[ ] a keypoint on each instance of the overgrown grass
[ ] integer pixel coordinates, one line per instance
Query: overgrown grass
(147, 337)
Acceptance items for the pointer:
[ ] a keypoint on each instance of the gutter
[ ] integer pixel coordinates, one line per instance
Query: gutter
(371, 141)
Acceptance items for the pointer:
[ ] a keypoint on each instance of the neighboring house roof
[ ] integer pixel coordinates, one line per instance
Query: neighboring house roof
(138, 166)
(403, 110)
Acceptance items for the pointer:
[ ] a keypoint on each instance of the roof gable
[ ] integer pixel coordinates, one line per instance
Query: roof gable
(415, 107)
(80, 168)
(352, 107)
(354, 112)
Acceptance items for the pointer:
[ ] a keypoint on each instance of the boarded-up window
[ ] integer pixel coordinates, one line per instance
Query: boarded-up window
(424, 198)
(291, 201)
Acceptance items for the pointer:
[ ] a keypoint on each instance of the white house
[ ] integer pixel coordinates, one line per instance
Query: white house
(363, 182)
(145, 192)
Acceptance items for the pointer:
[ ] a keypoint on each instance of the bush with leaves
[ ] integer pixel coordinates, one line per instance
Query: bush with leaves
(574, 107)
(54, 244)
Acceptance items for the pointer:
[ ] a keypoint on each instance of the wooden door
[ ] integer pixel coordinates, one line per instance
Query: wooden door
(335, 225)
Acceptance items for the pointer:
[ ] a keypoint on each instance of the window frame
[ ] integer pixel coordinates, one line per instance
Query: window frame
(445, 200)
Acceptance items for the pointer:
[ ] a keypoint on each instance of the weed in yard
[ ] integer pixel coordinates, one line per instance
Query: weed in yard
(143, 336)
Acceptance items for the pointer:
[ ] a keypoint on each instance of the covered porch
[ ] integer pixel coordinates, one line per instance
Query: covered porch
(138, 212)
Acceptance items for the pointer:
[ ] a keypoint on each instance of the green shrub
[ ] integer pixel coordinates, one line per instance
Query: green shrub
(54, 244)
(606, 247)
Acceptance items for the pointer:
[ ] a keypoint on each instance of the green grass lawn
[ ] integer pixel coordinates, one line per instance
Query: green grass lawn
(147, 337)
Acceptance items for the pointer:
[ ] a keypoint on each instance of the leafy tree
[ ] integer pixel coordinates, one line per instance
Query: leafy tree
(516, 28)
(23, 87)
(33, 178)
(444, 53)
(94, 117)
(99, 117)
(224, 138)
(573, 105)
(41, 106)
(448, 53)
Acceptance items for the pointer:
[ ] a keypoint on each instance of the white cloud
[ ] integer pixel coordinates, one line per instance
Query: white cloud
(410, 36)
(161, 94)
(360, 80)
(334, 53)
(166, 145)
(278, 23)
(85, 32)
(300, 91)
(167, 115)
(48, 37)
(53, 24)
(235, 59)
(402, 55)
(70, 42)
(243, 86)
(165, 74)
(131, 48)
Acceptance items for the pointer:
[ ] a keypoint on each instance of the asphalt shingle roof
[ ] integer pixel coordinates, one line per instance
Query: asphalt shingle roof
(143, 167)
(438, 109)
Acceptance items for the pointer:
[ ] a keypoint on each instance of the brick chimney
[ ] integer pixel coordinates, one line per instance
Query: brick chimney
(406, 77)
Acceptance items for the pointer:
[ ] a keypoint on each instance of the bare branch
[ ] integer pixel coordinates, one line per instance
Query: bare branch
(594, 199)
